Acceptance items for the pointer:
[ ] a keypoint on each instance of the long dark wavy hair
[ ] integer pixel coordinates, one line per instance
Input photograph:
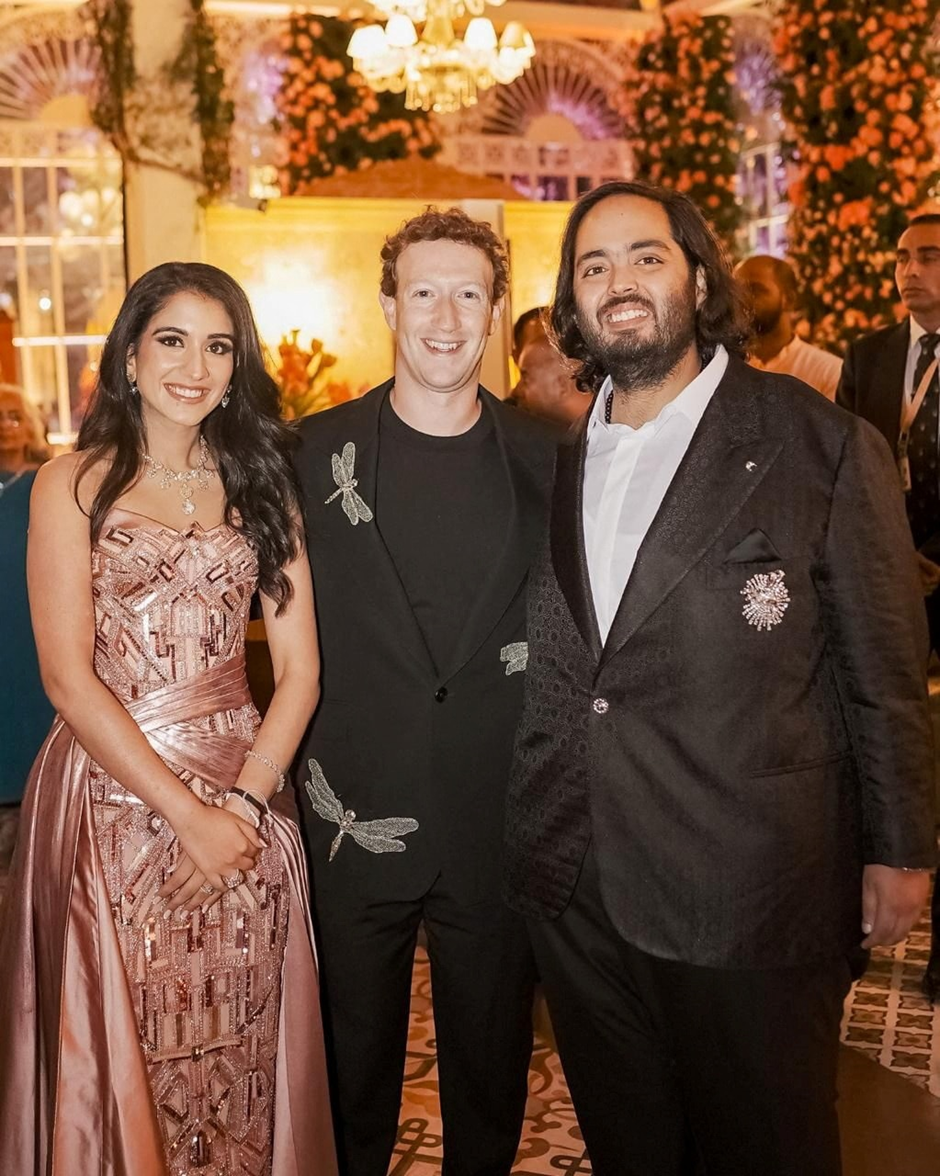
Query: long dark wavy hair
(250, 444)
(720, 319)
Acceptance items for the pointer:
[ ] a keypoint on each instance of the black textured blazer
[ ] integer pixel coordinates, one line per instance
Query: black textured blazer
(733, 779)
(393, 737)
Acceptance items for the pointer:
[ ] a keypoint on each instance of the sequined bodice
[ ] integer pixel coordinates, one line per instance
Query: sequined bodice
(168, 604)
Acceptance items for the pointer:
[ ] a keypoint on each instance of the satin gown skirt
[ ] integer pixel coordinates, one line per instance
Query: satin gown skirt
(136, 1045)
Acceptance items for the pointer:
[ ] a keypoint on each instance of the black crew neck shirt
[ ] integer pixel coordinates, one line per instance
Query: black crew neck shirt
(442, 507)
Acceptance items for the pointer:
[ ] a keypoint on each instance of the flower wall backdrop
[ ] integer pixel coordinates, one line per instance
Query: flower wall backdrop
(685, 132)
(330, 120)
(859, 99)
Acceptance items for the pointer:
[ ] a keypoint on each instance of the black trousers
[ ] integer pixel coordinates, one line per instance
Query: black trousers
(482, 977)
(676, 1069)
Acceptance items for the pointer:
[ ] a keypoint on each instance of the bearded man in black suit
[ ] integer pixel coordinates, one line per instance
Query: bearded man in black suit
(425, 501)
(723, 780)
(880, 381)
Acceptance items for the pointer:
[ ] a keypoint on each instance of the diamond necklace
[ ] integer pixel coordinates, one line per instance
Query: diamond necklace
(184, 481)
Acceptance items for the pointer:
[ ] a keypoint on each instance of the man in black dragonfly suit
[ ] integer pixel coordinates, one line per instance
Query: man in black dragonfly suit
(424, 501)
(723, 781)
(890, 378)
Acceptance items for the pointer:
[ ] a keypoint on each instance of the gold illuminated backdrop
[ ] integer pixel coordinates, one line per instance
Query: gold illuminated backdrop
(313, 264)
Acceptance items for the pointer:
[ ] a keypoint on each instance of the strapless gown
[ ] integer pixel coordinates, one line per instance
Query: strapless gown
(131, 1044)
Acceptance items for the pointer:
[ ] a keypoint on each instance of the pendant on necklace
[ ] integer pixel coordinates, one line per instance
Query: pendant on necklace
(188, 507)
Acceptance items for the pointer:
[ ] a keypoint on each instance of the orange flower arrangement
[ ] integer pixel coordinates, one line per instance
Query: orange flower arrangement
(859, 101)
(330, 121)
(302, 378)
(684, 131)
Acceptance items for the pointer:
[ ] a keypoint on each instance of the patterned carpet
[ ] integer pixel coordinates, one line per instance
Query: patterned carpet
(888, 1018)
(551, 1140)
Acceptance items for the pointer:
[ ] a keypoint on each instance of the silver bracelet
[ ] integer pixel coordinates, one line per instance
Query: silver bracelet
(268, 763)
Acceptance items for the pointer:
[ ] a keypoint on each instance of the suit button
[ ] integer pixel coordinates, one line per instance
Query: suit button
(601, 706)
(441, 694)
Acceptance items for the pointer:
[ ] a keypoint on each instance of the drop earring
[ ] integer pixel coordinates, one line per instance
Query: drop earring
(134, 390)
(227, 397)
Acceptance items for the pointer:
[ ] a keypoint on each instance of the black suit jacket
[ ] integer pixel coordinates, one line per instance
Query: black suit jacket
(872, 385)
(394, 737)
(733, 781)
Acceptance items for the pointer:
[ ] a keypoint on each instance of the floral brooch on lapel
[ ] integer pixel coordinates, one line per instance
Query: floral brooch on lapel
(381, 836)
(344, 475)
(767, 598)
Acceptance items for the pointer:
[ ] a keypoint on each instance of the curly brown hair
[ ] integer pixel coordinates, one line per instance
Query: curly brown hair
(445, 224)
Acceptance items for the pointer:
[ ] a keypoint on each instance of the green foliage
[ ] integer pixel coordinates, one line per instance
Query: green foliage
(111, 23)
(198, 63)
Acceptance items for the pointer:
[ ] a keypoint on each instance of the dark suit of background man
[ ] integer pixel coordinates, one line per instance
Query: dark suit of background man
(723, 765)
(425, 500)
(881, 375)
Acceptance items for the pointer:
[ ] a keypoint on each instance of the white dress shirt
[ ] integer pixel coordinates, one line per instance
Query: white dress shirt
(820, 369)
(627, 472)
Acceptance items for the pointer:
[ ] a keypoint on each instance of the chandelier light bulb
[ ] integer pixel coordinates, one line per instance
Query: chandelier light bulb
(480, 35)
(368, 43)
(400, 32)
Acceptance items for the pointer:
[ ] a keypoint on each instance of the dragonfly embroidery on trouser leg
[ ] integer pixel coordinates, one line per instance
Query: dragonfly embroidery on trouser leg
(344, 475)
(379, 836)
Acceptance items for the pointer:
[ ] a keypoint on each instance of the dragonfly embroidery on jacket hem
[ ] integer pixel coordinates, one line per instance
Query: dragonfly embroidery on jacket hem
(379, 836)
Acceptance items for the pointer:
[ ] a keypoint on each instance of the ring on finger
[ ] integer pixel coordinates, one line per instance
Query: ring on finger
(207, 888)
(234, 880)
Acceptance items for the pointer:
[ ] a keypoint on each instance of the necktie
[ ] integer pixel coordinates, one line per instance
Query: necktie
(923, 501)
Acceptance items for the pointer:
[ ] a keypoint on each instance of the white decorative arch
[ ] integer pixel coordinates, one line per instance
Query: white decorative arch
(578, 80)
(44, 56)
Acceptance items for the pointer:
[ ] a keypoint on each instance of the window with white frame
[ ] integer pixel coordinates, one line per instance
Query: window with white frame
(62, 269)
(762, 176)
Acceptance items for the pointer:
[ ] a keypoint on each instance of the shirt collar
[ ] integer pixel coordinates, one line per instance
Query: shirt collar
(691, 401)
(917, 332)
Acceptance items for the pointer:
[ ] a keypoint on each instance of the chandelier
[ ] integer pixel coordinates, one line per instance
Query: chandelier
(438, 71)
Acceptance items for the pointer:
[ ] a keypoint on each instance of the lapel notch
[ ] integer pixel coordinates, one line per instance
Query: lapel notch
(726, 461)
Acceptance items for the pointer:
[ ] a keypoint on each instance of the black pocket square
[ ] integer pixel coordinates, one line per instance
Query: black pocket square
(753, 548)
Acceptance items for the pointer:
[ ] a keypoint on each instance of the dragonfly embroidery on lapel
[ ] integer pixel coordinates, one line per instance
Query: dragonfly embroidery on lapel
(376, 836)
(516, 656)
(344, 476)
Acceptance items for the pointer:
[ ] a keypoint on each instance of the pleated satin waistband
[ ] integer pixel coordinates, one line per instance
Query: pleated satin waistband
(166, 717)
(224, 687)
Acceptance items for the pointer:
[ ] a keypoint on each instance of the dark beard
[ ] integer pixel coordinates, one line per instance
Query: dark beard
(634, 362)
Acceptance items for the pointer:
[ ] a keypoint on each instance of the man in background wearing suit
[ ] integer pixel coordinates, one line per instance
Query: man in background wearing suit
(723, 780)
(880, 380)
(424, 504)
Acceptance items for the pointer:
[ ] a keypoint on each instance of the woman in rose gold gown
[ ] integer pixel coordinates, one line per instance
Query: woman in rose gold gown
(159, 1009)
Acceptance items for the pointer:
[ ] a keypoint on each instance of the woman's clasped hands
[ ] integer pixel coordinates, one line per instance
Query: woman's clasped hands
(218, 846)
